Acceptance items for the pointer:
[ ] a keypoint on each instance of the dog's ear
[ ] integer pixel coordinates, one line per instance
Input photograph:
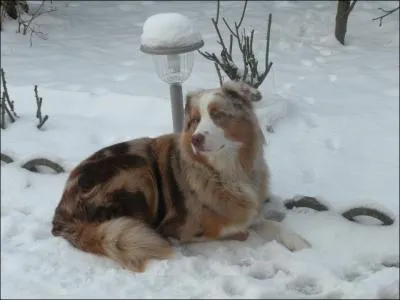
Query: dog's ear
(240, 89)
(189, 98)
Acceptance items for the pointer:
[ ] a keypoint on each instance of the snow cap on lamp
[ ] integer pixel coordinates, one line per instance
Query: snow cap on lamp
(169, 33)
(171, 40)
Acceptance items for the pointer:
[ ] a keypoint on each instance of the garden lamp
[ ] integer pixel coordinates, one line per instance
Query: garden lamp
(171, 40)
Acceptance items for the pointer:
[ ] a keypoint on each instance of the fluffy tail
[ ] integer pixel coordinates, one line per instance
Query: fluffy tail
(128, 241)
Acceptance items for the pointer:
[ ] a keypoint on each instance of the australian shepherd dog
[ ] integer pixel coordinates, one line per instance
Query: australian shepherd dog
(131, 201)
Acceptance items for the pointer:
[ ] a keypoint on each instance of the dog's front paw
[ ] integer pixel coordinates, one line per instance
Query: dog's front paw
(294, 242)
(272, 230)
(240, 236)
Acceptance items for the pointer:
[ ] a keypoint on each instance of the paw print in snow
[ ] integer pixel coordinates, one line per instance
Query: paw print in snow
(305, 285)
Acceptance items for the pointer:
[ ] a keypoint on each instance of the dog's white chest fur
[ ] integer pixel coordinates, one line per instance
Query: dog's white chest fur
(249, 185)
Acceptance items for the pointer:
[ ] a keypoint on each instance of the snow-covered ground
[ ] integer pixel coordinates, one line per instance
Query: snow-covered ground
(335, 111)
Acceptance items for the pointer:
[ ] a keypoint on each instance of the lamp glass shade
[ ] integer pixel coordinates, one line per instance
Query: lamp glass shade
(174, 68)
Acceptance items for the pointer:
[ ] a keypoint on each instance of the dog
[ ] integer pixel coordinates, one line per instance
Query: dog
(131, 200)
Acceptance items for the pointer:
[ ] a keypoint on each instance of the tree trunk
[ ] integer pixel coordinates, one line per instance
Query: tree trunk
(342, 15)
(11, 8)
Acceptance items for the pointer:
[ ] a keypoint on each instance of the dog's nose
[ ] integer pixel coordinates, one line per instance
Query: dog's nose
(198, 140)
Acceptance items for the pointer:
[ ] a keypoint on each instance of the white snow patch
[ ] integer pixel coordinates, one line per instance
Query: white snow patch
(273, 109)
(389, 291)
(338, 139)
(169, 30)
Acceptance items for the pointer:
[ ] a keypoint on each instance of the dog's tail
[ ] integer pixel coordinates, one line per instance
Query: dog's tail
(128, 241)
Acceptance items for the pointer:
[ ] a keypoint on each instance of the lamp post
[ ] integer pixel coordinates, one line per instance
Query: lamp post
(173, 55)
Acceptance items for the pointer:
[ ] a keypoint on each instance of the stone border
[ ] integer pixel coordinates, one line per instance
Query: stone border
(7, 159)
(31, 165)
(350, 214)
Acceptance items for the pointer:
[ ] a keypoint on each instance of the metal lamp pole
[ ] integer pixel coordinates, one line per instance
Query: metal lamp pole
(173, 66)
(175, 92)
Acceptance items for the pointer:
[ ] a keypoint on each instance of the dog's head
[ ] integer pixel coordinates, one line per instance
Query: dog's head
(221, 121)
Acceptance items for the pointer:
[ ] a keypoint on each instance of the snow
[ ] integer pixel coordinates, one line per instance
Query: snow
(165, 30)
(334, 110)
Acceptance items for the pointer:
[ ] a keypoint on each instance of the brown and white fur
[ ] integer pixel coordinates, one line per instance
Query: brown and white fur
(128, 201)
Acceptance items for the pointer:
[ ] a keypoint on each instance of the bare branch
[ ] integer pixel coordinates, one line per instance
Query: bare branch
(219, 34)
(217, 16)
(5, 109)
(219, 74)
(243, 12)
(6, 104)
(230, 44)
(40, 34)
(240, 40)
(387, 12)
(3, 112)
(230, 29)
(244, 40)
(6, 98)
(39, 101)
(251, 38)
(209, 56)
(268, 41)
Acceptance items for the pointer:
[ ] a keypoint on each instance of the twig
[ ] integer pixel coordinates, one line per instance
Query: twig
(387, 12)
(229, 27)
(39, 101)
(244, 10)
(3, 112)
(6, 96)
(268, 64)
(230, 45)
(7, 106)
(221, 40)
(219, 74)
(7, 110)
(217, 16)
(40, 34)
